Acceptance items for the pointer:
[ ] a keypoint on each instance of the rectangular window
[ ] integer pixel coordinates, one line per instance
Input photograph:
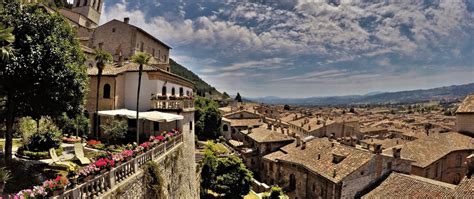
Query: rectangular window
(113, 29)
(153, 52)
(142, 46)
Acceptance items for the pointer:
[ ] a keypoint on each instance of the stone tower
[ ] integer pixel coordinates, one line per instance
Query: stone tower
(89, 8)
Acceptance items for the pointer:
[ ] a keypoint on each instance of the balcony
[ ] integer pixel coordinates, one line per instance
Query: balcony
(172, 103)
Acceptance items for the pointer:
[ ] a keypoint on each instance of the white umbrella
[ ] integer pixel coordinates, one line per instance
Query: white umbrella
(151, 115)
(160, 116)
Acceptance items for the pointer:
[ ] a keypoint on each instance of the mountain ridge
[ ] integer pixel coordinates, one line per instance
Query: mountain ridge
(445, 93)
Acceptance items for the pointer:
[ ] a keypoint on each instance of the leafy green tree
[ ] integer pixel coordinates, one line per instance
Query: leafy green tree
(232, 178)
(227, 175)
(238, 98)
(115, 129)
(46, 77)
(141, 59)
(276, 192)
(77, 125)
(101, 59)
(286, 107)
(207, 117)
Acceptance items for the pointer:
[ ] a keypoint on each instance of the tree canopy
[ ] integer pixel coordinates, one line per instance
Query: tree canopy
(46, 75)
(238, 98)
(208, 118)
(227, 175)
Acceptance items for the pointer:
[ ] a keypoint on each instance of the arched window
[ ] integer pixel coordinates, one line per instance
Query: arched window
(181, 91)
(163, 91)
(106, 91)
(173, 92)
(292, 182)
(225, 128)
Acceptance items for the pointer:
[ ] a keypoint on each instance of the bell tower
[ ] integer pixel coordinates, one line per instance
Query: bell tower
(89, 8)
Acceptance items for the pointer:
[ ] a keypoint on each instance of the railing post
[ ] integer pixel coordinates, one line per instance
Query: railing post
(112, 178)
(135, 164)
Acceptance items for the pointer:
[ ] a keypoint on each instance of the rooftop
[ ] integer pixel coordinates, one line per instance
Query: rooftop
(318, 157)
(399, 185)
(467, 106)
(425, 151)
(262, 134)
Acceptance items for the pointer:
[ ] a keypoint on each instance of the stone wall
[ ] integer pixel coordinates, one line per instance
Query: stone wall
(465, 123)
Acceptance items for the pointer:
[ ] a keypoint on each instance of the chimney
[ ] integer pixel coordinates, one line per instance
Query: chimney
(334, 173)
(269, 126)
(319, 156)
(282, 130)
(396, 152)
(298, 141)
(377, 148)
(249, 129)
(126, 20)
(303, 145)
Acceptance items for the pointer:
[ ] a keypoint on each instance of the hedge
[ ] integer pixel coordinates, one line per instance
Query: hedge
(37, 155)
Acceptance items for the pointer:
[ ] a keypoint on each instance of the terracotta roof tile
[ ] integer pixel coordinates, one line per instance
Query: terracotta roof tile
(409, 186)
(467, 106)
(322, 147)
(263, 134)
(425, 151)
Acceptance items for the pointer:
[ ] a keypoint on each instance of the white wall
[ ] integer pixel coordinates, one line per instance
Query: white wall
(147, 88)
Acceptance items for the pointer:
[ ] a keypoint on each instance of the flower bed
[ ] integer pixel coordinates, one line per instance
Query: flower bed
(86, 173)
(71, 140)
(95, 144)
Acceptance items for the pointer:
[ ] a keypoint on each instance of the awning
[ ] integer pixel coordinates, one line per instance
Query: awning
(151, 115)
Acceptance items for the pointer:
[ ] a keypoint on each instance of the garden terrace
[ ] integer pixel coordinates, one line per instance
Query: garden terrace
(103, 183)
(172, 103)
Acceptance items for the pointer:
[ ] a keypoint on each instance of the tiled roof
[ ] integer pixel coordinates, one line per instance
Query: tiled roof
(467, 106)
(112, 69)
(263, 134)
(245, 122)
(324, 166)
(312, 124)
(425, 151)
(399, 185)
(465, 189)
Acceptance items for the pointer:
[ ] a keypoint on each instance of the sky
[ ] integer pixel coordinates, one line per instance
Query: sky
(303, 48)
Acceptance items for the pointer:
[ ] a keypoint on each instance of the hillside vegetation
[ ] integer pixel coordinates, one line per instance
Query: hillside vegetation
(200, 85)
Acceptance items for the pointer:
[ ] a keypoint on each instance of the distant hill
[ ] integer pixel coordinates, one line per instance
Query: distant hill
(200, 85)
(446, 93)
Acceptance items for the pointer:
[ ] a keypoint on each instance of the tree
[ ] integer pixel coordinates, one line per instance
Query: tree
(286, 107)
(276, 192)
(207, 117)
(101, 59)
(232, 178)
(225, 95)
(238, 98)
(46, 77)
(141, 59)
(227, 175)
(115, 129)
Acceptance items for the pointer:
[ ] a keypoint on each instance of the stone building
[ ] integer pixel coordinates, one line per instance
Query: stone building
(261, 141)
(234, 122)
(323, 127)
(398, 185)
(439, 156)
(465, 116)
(323, 168)
(123, 40)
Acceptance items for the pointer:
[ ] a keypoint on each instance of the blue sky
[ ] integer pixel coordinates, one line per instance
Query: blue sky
(301, 48)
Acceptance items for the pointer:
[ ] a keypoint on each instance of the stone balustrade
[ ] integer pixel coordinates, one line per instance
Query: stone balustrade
(102, 183)
(172, 104)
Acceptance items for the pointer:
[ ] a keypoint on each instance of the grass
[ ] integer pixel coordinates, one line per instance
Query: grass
(16, 143)
(251, 195)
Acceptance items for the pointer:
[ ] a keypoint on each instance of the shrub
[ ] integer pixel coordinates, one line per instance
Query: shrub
(115, 129)
(43, 141)
(71, 125)
(39, 139)
(37, 155)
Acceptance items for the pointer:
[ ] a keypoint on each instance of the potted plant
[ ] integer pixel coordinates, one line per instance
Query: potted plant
(103, 164)
(56, 187)
(127, 154)
(5, 175)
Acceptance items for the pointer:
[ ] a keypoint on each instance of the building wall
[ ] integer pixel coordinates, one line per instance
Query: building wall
(227, 134)
(104, 104)
(243, 115)
(147, 88)
(111, 41)
(449, 169)
(161, 52)
(465, 123)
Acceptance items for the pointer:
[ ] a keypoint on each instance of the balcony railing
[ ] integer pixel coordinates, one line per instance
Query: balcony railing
(172, 103)
(107, 181)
